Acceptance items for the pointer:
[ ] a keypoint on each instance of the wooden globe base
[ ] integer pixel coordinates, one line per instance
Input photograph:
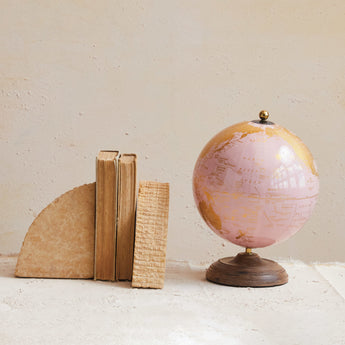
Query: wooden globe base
(247, 270)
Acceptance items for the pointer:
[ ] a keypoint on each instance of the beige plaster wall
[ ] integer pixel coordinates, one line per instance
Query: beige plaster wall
(160, 78)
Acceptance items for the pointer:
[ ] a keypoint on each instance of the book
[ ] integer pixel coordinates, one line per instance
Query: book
(106, 215)
(127, 183)
(151, 235)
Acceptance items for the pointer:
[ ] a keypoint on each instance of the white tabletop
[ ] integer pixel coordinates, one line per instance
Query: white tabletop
(310, 309)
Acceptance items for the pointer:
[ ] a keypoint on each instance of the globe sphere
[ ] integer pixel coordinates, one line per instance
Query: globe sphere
(255, 184)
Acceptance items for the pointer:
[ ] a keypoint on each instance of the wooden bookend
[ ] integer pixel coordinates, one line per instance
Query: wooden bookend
(151, 235)
(126, 216)
(60, 241)
(106, 213)
(247, 270)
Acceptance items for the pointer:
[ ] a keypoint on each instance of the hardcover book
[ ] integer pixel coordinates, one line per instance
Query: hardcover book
(106, 215)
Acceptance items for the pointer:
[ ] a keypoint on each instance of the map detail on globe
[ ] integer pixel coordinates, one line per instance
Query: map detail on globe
(255, 184)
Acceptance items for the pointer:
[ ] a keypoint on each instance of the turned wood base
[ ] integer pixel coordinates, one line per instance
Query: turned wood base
(247, 270)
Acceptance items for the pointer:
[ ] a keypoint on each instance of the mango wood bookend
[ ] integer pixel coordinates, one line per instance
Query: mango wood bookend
(60, 241)
(247, 270)
(151, 235)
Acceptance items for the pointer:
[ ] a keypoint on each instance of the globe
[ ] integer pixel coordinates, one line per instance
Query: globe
(255, 183)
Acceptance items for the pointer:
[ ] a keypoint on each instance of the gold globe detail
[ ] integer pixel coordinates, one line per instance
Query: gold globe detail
(264, 114)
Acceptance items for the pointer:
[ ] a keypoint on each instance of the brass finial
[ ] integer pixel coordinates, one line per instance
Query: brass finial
(264, 114)
(249, 251)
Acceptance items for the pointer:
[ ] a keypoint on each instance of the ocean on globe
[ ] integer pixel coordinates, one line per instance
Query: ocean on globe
(255, 184)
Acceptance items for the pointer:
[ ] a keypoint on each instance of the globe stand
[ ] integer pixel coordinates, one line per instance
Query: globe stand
(247, 270)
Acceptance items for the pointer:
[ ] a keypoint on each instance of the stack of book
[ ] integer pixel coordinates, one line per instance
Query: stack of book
(130, 232)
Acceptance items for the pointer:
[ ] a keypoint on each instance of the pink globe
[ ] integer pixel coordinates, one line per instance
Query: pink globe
(255, 184)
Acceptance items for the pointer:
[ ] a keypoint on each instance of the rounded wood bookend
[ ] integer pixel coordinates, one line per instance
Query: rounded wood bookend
(247, 270)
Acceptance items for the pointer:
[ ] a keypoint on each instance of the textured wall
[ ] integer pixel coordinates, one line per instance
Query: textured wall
(159, 78)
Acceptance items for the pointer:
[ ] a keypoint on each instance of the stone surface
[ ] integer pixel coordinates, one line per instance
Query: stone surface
(60, 241)
(189, 310)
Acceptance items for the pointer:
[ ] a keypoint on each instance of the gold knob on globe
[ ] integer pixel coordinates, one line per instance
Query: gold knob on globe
(264, 114)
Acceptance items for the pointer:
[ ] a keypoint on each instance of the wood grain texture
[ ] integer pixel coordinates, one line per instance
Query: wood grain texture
(106, 214)
(151, 235)
(247, 270)
(126, 216)
(60, 241)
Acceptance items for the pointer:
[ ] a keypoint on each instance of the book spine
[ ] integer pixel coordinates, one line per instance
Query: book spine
(126, 217)
(106, 209)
